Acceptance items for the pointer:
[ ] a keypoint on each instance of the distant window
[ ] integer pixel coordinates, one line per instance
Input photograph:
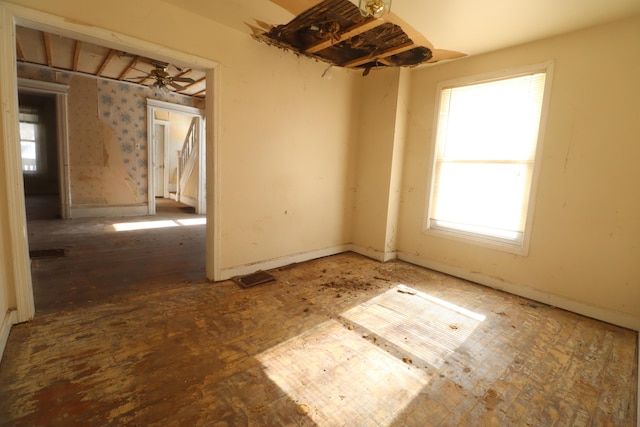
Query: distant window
(29, 142)
(485, 153)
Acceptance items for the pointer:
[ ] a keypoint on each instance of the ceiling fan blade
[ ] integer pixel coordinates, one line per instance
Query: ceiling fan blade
(183, 79)
(176, 86)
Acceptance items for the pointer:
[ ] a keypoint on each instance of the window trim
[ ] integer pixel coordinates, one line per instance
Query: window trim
(520, 247)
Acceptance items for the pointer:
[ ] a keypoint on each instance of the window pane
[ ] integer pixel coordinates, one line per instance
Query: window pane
(485, 148)
(493, 121)
(27, 131)
(486, 195)
(29, 161)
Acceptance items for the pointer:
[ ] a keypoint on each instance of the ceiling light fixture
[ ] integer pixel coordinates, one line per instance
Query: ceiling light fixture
(374, 8)
(161, 88)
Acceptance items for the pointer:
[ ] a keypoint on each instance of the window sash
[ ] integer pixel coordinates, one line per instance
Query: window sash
(484, 158)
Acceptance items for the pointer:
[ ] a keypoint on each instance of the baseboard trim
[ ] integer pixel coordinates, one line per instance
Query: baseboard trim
(10, 318)
(239, 270)
(108, 211)
(373, 253)
(606, 315)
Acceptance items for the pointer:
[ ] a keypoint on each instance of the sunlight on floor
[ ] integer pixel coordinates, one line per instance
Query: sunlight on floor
(337, 375)
(146, 225)
(427, 328)
(193, 221)
(341, 378)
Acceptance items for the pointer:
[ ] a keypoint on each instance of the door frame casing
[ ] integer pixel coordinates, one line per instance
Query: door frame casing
(166, 130)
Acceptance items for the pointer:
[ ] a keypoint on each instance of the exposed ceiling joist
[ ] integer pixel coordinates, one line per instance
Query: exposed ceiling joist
(105, 62)
(381, 57)
(76, 56)
(61, 53)
(352, 32)
(19, 50)
(47, 47)
(132, 65)
(334, 31)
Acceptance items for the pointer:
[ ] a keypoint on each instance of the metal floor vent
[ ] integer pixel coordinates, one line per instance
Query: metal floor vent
(46, 253)
(253, 279)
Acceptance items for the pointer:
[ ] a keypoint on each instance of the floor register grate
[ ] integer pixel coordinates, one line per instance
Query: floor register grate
(258, 278)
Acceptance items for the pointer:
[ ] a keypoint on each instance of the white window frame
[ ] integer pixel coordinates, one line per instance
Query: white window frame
(520, 247)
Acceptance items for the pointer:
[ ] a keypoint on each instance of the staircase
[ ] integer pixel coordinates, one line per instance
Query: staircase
(188, 159)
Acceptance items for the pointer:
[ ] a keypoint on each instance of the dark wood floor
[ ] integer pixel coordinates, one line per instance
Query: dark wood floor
(342, 340)
(101, 263)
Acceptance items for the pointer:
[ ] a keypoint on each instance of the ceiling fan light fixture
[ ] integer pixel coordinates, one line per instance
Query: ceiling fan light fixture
(374, 8)
(161, 88)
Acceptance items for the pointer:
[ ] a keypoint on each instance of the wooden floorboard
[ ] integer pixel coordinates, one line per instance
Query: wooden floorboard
(342, 340)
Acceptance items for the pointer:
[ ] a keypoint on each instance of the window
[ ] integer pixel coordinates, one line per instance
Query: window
(29, 142)
(485, 154)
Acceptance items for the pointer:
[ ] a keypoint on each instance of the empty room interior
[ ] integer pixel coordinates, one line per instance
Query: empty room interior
(319, 212)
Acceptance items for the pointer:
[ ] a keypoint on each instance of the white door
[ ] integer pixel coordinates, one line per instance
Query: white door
(158, 161)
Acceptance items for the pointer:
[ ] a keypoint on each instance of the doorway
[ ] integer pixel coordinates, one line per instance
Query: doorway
(39, 153)
(176, 155)
(17, 277)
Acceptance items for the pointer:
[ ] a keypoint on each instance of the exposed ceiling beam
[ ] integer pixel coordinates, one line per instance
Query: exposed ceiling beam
(47, 48)
(131, 66)
(351, 32)
(105, 62)
(62, 53)
(19, 49)
(378, 56)
(199, 93)
(76, 55)
(192, 84)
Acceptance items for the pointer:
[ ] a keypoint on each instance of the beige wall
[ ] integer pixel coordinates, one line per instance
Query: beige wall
(383, 96)
(585, 241)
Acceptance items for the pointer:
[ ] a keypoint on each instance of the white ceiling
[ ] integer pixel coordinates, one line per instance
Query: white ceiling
(469, 26)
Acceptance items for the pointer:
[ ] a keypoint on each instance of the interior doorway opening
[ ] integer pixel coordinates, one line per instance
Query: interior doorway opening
(176, 155)
(21, 289)
(39, 154)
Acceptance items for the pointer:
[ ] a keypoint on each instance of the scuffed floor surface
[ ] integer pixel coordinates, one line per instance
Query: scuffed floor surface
(340, 341)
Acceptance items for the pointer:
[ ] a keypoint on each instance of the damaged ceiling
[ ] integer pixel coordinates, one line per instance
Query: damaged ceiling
(472, 27)
(334, 31)
(62, 53)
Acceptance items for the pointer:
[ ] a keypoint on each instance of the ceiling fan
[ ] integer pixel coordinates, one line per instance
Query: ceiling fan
(163, 79)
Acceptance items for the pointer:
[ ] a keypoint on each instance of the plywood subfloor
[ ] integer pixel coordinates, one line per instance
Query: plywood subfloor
(342, 340)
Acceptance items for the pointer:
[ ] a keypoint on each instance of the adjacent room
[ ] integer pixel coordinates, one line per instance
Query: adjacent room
(305, 212)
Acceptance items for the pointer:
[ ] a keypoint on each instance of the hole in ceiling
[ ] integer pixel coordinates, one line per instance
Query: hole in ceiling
(334, 31)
